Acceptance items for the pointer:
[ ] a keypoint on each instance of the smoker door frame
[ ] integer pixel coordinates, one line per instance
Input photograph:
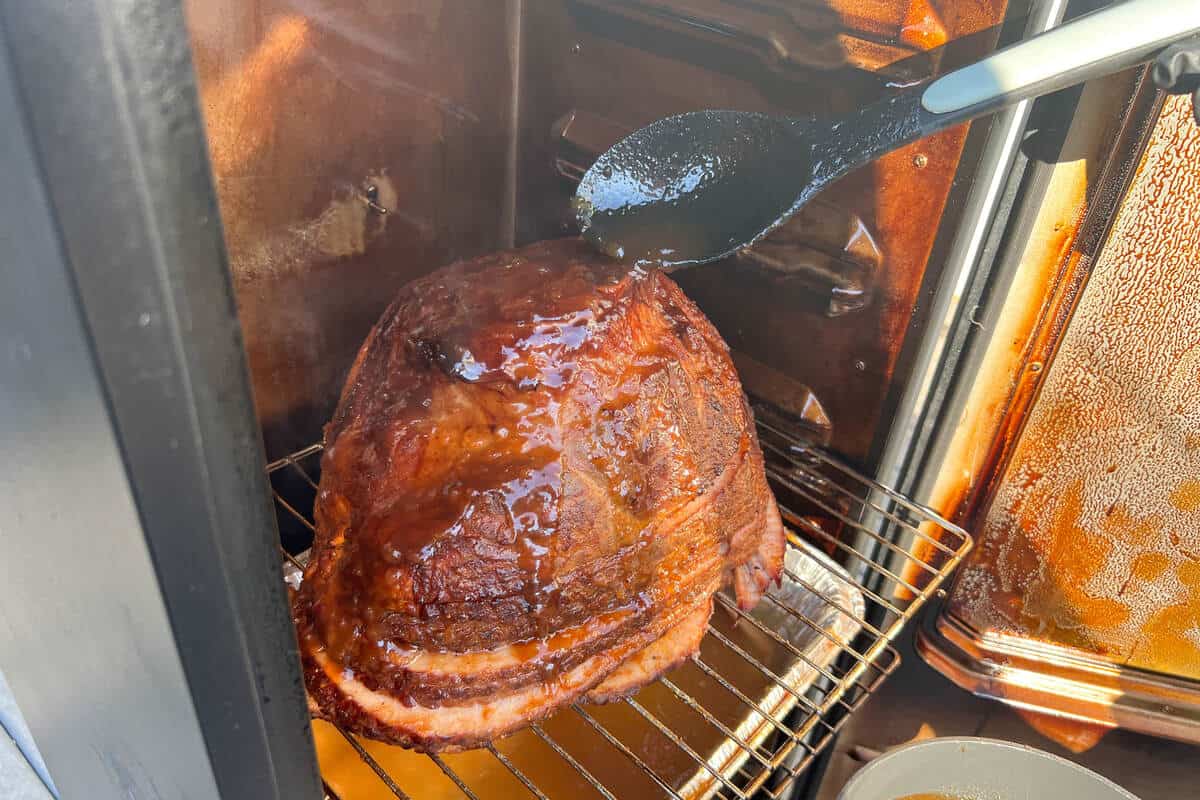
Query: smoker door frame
(144, 628)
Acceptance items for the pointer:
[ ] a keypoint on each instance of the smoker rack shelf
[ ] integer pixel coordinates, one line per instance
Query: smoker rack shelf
(894, 552)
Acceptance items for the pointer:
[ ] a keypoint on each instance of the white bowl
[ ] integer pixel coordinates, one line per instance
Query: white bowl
(977, 769)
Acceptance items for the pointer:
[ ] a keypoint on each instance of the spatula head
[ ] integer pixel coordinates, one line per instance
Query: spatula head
(694, 187)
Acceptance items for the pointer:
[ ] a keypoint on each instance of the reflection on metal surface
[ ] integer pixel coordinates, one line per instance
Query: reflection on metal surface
(453, 101)
(307, 106)
(1061, 683)
(799, 410)
(794, 37)
(579, 137)
(1083, 598)
(824, 251)
(767, 692)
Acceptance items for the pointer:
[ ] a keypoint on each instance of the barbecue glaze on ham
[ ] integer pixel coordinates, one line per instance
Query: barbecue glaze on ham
(541, 469)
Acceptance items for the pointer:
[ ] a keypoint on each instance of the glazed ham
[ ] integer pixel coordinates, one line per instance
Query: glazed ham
(541, 469)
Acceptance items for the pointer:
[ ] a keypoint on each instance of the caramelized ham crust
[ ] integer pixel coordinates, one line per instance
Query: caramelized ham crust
(541, 469)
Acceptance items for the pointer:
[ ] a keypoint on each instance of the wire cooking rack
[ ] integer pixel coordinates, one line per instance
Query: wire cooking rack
(893, 552)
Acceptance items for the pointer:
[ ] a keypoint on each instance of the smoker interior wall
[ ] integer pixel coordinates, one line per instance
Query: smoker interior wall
(313, 109)
(359, 144)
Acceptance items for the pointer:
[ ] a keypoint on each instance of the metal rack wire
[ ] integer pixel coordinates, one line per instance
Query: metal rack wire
(892, 551)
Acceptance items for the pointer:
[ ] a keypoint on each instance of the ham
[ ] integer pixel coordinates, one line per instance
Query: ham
(541, 469)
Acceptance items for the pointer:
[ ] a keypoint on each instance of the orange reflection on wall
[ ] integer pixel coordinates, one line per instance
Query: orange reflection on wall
(1092, 539)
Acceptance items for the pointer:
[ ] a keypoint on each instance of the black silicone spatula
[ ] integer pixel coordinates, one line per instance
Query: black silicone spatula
(696, 187)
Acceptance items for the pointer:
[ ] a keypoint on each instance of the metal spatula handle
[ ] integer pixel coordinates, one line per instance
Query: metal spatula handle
(1099, 43)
